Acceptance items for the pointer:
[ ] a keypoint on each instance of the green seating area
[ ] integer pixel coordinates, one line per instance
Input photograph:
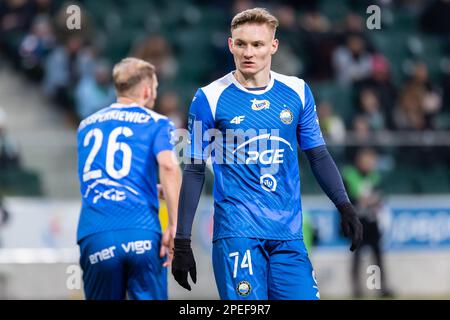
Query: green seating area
(19, 182)
(340, 98)
(407, 179)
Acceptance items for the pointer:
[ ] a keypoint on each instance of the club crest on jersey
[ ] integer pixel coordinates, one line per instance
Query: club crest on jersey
(260, 104)
(286, 116)
(243, 288)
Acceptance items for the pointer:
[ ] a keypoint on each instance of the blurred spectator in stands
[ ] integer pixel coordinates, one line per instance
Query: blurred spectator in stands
(94, 91)
(445, 83)
(15, 20)
(418, 102)
(352, 23)
(381, 83)
(15, 15)
(241, 5)
(35, 46)
(169, 105)
(435, 18)
(412, 6)
(64, 66)
(287, 20)
(317, 45)
(47, 7)
(408, 114)
(4, 216)
(156, 50)
(362, 181)
(361, 129)
(300, 6)
(287, 60)
(352, 62)
(369, 108)
(331, 125)
(9, 154)
(359, 136)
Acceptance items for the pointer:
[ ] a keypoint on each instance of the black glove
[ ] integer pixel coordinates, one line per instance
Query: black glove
(351, 225)
(183, 262)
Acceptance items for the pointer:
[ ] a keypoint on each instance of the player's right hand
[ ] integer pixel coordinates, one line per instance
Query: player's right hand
(167, 242)
(183, 263)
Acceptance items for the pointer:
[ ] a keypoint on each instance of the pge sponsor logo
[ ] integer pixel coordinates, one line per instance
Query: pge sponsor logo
(266, 157)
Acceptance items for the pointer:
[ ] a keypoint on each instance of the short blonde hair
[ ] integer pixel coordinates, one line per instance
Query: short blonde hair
(255, 15)
(129, 72)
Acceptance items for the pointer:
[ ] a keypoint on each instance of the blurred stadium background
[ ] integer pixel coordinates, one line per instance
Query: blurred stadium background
(387, 89)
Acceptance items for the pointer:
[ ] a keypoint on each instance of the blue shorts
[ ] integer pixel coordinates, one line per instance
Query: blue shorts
(260, 269)
(117, 263)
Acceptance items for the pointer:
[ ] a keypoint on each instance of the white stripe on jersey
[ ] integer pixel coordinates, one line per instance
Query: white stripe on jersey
(296, 84)
(214, 90)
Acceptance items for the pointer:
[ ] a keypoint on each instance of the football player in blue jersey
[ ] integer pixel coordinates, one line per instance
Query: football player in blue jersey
(249, 122)
(121, 150)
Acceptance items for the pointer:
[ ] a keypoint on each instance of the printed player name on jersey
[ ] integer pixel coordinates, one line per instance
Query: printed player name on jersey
(128, 116)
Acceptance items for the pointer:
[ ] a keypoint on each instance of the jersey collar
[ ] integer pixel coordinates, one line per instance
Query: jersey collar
(241, 87)
(121, 105)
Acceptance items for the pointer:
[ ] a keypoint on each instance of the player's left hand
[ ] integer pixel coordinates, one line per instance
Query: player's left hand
(351, 225)
(184, 263)
(167, 243)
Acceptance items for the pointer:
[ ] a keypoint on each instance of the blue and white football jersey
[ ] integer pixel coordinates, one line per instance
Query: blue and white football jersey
(252, 139)
(118, 169)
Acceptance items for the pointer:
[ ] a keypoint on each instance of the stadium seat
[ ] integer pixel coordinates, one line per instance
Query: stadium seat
(339, 97)
(404, 20)
(334, 10)
(434, 180)
(394, 48)
(399, 181)
(19, 182)
(427, 48)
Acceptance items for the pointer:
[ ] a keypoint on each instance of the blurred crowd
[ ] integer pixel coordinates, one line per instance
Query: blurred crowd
(74, 69)
(68, 64)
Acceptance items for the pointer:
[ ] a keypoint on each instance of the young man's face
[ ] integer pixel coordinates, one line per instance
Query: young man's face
(252, 46)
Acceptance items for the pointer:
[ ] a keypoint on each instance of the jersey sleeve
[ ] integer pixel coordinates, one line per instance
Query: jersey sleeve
(164, 137)
(308, 129)
(200, 120)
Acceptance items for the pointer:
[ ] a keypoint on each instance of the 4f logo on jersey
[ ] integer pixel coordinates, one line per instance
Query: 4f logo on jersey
(260, 104)
(237, 119)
